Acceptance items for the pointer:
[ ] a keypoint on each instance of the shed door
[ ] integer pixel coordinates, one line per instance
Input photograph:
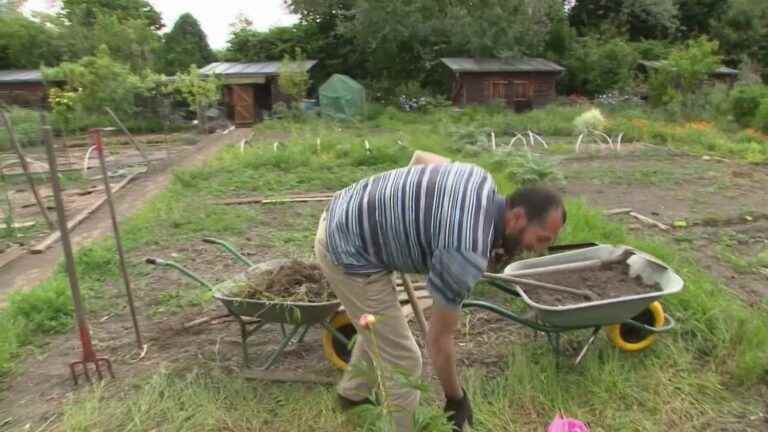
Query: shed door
(242, 100)
(521, 90)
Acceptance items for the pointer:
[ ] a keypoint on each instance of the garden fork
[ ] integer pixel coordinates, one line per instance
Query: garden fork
(89, 356)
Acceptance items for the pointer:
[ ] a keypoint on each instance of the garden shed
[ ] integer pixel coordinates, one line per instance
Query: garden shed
(521, 83)
(23, 87)
(250, 89)
(342, 97)
(722, 74)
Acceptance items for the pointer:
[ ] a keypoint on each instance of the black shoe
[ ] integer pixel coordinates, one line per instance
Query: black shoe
(348, 404)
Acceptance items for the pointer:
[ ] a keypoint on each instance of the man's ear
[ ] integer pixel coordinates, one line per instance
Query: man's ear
(515, 220)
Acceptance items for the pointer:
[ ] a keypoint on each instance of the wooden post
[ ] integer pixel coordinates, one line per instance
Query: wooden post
(128, 134)
(25, 168)
(96, 135)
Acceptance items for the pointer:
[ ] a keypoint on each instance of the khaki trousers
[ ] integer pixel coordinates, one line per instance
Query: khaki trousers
(394, 343)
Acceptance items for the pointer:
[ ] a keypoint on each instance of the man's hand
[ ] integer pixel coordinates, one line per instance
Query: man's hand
(459, 411)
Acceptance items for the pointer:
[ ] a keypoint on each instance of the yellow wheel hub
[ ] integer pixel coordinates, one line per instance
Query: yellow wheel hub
(336, 351)
(629, 338)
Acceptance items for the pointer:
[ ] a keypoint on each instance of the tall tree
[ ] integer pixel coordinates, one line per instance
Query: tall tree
(86, 11)
(640, 19)
(743, 32)
(11, 6)
(185, 45)
(131, 41)
(25, 43)
(696, 16)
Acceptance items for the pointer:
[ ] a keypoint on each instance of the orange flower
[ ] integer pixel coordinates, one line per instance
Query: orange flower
(701, 125)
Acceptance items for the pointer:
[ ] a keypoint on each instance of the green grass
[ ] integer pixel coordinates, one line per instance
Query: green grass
(704, 373)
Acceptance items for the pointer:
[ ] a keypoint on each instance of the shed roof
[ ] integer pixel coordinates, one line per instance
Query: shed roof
(21, 76)
(524, 64)
(252, 69)
(722, 70)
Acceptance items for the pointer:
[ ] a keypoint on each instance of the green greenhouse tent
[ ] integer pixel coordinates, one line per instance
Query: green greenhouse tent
(341, 97)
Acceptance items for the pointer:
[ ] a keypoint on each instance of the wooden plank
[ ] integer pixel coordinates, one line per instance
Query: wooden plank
(263, 200)
(287, 376)
(617, 211)
(19, 224)
(649, 221)
(10, 255)
(77, 220)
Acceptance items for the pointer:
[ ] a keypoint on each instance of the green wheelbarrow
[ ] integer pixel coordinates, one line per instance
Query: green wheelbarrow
(253, 315)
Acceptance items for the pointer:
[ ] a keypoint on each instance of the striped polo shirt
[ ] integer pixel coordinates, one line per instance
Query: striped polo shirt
(439, 220)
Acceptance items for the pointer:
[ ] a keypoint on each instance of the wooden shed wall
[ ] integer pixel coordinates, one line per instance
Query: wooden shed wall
(28, 94)
(477, 87)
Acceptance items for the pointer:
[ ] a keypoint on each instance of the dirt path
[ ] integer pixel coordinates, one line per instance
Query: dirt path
(29, 270)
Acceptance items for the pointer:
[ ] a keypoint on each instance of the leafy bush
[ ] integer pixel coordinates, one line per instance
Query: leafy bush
(745, 101)
(596, 66)
(526, 168)
(27, 127)
(592, 120)
(761, 116)
(677, 83)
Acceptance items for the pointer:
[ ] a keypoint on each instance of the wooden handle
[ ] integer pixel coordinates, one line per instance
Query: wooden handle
(552, 287)
(417, 312)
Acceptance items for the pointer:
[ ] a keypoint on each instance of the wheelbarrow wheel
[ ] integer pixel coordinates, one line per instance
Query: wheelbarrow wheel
(630, 338)
(337, 352)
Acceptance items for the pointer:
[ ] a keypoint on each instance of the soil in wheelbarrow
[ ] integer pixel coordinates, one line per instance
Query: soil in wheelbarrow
(295, 281)
(606, 283)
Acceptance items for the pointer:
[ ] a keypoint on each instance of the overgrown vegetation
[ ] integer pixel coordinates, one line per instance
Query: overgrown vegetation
(699, 375)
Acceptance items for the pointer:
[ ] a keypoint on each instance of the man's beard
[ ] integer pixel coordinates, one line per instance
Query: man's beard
(503, 254)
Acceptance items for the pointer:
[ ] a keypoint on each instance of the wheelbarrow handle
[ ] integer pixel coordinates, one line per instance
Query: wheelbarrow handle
(670, 324)
(231, 249)
(163, 263)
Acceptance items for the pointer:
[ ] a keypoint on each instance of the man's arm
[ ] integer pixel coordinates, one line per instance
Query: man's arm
(442, 349)
(427, 158)
(451, 278)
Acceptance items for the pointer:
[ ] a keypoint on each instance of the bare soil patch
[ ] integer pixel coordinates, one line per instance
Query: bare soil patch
(607, 283)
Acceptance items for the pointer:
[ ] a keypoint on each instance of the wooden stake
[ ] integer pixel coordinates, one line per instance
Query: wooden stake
(128, 134)
(25, 168)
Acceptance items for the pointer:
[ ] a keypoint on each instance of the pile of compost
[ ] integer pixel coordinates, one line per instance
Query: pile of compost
(290, 281)
(606, 283)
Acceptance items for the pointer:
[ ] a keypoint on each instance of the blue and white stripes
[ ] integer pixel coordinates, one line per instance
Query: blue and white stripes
(436, 219)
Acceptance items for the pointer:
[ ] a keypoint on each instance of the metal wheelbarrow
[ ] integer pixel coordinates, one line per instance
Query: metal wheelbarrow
(252, 315)
(631, 322)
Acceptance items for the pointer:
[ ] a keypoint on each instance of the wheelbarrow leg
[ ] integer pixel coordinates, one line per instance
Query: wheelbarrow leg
(302, 334)
(245, 333)
(284, 343)
(587, 345)
(554, 342)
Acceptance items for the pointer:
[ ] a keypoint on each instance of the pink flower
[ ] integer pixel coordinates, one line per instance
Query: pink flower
(367, 320)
